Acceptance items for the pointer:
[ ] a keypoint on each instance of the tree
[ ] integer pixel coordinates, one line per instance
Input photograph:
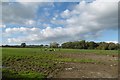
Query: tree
(23, 44)
(112, 46)
(82, 44)
(91, 45)
(46, 46)
(41, 45)
(103, 46)
(54, 45)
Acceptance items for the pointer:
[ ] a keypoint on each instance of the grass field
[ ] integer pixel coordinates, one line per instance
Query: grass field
(38, 63)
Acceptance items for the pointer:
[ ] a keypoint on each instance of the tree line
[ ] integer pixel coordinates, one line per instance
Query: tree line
(90, 45)
(74, 45)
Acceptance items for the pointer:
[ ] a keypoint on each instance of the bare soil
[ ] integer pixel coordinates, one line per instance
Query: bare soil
(107, 68)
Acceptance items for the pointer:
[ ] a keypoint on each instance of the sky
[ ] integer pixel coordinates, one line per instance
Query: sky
(46, 22)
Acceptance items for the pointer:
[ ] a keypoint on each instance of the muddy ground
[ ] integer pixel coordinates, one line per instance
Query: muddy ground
(106, 68)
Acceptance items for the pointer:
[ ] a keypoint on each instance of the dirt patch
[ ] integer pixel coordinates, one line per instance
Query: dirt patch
(107, 69)
(108, 59)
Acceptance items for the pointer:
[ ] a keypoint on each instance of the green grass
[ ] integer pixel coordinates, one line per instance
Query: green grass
(26, 51)
(37, 63)
(28, 59)
(102, 52)
(25, 74)
(76, 60)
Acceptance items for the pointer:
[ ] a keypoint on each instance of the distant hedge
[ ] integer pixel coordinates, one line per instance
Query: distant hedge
(73, 45)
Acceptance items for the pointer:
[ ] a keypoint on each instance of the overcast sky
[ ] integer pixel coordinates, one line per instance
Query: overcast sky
(45, 22)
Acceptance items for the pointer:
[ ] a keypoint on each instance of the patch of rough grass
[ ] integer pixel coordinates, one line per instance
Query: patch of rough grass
(6, 73)
(76, 60)
(88, 51)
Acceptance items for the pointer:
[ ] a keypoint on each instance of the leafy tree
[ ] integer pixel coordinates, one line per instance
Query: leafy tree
(41, 45)
(91, 45)
(83, 44)
(103, 46)
(46, 46)
(54, 45)
(112, 46)
(76, 45)
(23, 44)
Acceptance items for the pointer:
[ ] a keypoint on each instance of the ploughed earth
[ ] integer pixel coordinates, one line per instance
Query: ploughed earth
(104, 66)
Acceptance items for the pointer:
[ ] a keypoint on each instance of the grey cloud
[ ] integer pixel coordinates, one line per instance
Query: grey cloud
(20, 12)
(16, 13)
(85, 21)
